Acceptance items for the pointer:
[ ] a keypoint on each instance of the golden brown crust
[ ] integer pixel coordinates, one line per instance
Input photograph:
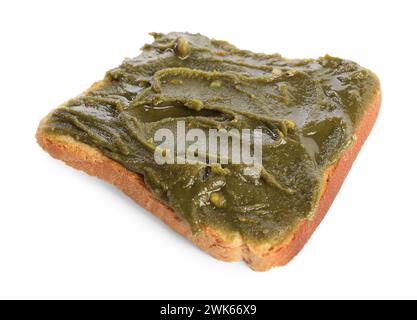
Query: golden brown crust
(221, 245)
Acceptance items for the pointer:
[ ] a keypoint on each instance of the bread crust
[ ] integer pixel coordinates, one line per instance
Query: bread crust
(221, 245)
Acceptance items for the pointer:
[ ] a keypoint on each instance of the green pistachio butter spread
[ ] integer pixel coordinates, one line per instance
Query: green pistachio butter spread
(307, 110)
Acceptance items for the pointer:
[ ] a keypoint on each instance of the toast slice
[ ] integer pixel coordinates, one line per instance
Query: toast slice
(218, 242)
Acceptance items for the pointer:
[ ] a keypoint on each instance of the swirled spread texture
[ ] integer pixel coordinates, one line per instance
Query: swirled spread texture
(307, 110)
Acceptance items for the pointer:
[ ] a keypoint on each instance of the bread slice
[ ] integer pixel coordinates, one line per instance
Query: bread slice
(221, 245)
(178, 70)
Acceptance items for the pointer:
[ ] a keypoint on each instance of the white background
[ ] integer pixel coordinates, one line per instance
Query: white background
(64, 234)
